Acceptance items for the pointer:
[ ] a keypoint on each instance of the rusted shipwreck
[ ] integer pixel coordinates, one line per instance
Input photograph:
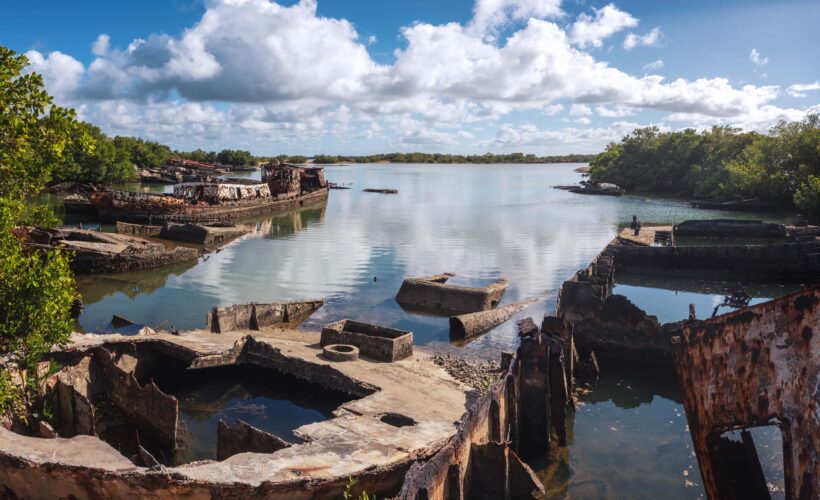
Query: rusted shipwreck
(282, 186)
(756, 366)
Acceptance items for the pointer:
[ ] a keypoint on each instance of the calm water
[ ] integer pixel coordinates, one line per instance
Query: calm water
(481, 222)
(266, 400)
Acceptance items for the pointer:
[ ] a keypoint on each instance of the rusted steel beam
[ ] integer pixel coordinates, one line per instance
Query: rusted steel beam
(755, 366)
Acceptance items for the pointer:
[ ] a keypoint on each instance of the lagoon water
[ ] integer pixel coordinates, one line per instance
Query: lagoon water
(481, 222)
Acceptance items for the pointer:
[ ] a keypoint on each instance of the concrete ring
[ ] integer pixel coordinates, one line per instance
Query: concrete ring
(340, 352)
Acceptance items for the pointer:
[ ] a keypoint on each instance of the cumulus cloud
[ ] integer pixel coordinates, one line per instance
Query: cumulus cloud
(489, 15)
(757, 58)
(654, 65)
(616, 112)
(651, 39)
(511, 137)
(61, 72)
(100, 45)
(258, 70)
(592, 30)
(800, 89)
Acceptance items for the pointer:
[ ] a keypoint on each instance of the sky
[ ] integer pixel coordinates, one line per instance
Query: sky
(453, 76)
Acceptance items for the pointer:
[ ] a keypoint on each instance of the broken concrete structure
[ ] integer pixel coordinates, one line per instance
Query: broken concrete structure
(730, 228)
(376, 342)
(99, 252)
(255, 316)
(240, 437)
(434, 295)
(137, 229)
(612, 326)
(514, 419)
(395, 420)
(209, 235)
(472, 324)
(753, 367)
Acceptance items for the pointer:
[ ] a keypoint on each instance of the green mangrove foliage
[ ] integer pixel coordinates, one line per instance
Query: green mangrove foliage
(101, 161)
(450, 158)
(234, 157)
(782, 166)
(36, 289)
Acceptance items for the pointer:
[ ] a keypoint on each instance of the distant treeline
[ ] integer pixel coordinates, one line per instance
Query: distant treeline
(99, 158)
(450, 158)
(720, 163)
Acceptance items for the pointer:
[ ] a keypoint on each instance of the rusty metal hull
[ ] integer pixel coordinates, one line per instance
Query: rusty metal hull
(120, 206)
(755, 366)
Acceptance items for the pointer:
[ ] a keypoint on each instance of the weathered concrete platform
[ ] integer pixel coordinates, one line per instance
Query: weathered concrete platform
(647, 235)
(356, 443)
(99, 252)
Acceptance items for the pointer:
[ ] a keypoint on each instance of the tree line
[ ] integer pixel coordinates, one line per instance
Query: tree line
(452, 158)
(99, 158)
(782, 166)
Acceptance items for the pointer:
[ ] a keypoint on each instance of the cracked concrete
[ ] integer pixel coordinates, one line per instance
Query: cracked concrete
(355, 443)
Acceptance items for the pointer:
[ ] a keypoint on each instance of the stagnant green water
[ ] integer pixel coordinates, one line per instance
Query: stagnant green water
(481, 222)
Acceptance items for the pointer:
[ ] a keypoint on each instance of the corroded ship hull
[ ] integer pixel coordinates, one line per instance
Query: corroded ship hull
(157, 208)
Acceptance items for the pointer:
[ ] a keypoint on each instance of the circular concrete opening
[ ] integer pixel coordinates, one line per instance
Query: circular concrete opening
(340, 352)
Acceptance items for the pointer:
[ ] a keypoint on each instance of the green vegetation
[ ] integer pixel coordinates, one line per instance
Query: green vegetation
(143, 153)
(36, 289)
(296, 159)
(348, 494)
(234, 157)
(101, 161)
(448, 158)
(720, 163)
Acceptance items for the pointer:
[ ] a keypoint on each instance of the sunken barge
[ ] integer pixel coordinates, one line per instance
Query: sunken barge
(282, 186)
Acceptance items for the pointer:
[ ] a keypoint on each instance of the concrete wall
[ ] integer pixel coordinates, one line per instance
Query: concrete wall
(787, 262)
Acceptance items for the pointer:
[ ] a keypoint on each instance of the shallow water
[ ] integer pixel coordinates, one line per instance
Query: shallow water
(481, 222)
(266, 400)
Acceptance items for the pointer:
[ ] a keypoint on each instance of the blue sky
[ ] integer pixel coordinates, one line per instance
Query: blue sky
(357, 77)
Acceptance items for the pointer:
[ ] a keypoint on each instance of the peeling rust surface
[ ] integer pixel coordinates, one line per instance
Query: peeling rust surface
(755, 366)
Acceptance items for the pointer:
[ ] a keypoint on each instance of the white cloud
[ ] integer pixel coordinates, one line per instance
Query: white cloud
(758, 59)
(617, 112)
(61, 72)
(489, 15)
(583, 120)
(651, 39)
(285, 74)
(654, 65)
(372, 39)
(800, 89)
(592, 30)
(100, 45)
(552, 109)
(571, 138)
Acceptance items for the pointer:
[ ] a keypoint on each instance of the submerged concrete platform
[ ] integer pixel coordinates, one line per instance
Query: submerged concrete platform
(357, 442)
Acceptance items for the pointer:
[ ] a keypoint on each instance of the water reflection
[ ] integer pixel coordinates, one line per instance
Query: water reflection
(668, 297)
(481, 222)
(627, 439)
(161, 296)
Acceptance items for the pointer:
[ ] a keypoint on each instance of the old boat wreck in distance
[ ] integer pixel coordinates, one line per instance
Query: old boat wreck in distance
(282, 186)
